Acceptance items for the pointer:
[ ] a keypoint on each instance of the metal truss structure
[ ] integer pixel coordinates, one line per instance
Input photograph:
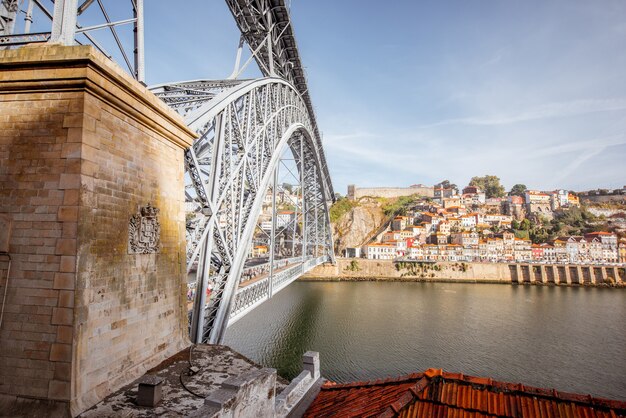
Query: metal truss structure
(65, 29)
(244, 127)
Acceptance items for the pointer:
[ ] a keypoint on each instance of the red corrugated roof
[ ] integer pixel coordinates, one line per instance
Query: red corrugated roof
(435, 393)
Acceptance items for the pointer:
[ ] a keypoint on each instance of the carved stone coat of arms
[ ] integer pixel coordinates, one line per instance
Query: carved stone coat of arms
(144, 231)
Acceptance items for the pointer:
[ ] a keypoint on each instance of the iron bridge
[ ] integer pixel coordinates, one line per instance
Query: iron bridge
(248, 130)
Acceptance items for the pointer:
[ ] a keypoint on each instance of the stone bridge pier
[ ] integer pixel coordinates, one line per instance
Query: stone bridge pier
(95, 295)
(566, 274)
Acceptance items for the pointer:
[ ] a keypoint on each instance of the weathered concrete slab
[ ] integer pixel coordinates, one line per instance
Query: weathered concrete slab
(216, 364)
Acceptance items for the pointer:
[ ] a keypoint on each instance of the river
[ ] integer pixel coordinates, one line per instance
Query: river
(569, 338)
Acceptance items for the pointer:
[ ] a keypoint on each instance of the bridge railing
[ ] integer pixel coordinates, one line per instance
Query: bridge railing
(249, 297)
(249, 273)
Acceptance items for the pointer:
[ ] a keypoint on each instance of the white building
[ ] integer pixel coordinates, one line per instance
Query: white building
(380, 251)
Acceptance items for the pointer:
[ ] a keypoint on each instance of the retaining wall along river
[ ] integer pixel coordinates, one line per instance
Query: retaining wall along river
(364, 269)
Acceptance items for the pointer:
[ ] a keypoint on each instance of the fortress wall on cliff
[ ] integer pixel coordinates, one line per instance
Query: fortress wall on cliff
(355, 193)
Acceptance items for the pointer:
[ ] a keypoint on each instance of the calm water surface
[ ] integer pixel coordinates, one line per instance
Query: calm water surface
(572, 339)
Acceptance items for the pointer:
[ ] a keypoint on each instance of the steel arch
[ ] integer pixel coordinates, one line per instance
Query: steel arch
(244, 127)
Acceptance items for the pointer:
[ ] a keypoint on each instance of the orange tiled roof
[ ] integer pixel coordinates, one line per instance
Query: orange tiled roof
(435, 393)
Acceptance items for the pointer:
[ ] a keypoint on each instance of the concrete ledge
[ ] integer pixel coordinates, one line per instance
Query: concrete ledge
(297, 395)
(289, 397)
(248, 395)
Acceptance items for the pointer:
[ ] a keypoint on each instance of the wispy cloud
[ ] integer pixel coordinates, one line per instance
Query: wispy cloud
(546, 111)
(570, 168)
(588, 145)
(496, 58)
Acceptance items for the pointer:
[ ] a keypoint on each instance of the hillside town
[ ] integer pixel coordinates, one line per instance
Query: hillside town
(469, 227)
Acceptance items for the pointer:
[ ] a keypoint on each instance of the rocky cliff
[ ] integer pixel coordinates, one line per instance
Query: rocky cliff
(358, 225)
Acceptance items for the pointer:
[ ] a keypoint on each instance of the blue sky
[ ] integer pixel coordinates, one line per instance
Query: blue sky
(420, 91)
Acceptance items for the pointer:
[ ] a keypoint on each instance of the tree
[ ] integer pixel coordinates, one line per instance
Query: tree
(518, 190)
(524, 225)
(447, 185)
(288, 187)
(490, 184)
(539, 235)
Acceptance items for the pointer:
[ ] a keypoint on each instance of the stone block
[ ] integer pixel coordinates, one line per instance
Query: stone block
(311, 363)
(65, 246)
(150, 390)
(67, 214)
(74, 134)
(64, 281)
(70, 230)
(59, 390)
(73, 121)
(61, 352)
(70, 197)
(69, 181)
(64, 334)
(62, 371)
(62, 316)
(5, 233)
(71, 150)
(67, 264)
(66, 299)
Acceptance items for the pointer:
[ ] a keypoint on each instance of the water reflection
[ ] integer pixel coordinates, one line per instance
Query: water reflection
(572, 339)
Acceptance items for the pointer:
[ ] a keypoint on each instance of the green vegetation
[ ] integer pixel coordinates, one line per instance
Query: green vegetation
(418, 269)
(399, 206)
(354, 266)
(573, 221)
(576, 221)
(340, 208)
(490, 184)
(521, 234)
(518, 190)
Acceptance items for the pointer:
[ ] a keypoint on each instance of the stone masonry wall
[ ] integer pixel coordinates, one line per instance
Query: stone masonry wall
(130, 308)
(391, 192)
(386, 269)
(82, 147)
(39, 192)
(366, 269)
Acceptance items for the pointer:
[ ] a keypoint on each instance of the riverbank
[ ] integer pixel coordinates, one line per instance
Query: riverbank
(359, 269)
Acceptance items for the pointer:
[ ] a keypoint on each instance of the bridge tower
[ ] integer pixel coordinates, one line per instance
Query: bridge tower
(244, 127)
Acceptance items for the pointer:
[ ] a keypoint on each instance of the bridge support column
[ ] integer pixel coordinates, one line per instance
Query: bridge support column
(85, 149)
(592, 277)
(531, 273)
(568, 275)
(555, 273)
(543, 274)
(603, 274)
